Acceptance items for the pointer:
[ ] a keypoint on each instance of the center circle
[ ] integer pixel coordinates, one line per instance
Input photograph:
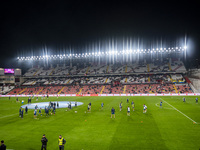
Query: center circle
(42, 105)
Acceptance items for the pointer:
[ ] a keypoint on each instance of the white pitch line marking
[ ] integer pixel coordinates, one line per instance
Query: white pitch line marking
(179, 111)
(8, 115)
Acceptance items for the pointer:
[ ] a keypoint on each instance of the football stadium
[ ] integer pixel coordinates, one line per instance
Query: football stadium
(99, 75)
(72, 95)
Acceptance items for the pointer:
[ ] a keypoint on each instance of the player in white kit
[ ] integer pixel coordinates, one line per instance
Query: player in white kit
(128, 111)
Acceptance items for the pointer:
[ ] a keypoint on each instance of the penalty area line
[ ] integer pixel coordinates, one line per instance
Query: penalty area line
(180, 112)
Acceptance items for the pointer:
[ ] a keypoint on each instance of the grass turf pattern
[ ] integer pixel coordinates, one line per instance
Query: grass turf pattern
(160, 128)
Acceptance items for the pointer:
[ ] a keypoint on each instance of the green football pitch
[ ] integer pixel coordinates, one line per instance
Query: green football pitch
(174, 126)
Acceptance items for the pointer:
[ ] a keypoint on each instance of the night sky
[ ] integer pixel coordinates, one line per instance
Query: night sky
(27, 26)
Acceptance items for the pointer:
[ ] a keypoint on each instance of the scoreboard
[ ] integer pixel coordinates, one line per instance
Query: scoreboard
(10, 71)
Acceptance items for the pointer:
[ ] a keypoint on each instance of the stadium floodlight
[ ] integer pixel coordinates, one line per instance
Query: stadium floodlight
(111, 52)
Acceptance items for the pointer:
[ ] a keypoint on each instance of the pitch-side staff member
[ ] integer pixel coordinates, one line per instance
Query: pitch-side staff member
(61, 142)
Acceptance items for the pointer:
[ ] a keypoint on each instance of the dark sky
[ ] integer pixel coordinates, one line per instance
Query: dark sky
(27, 26)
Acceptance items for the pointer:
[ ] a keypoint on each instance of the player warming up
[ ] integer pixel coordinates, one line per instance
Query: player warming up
(197, 100)
(112, 112)
(35, 114)
(26, 110)
(20, 111)
(90, 106)
(120, 106)
(102, 104)
(128, 111)
(144, 108)
(160, 104)
(40, 111)
(133, 105)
